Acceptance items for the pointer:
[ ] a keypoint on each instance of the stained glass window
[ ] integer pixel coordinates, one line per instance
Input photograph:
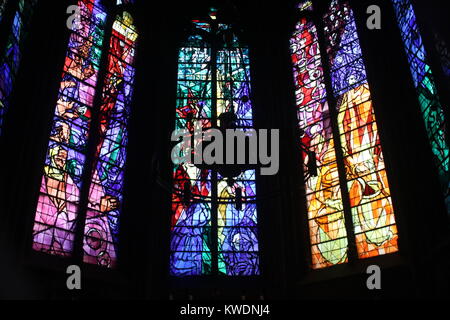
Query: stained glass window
(59, 200)
(210, 233)
(12, 55)
(324, 200)
(106, 189)
(367, 185)
(424, 82)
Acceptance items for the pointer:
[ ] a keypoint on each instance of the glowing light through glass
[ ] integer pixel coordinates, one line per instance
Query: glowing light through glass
(193, 234)
(106, 189)
(59, 199)
(370, 200)
(328, 235)
(367, 184)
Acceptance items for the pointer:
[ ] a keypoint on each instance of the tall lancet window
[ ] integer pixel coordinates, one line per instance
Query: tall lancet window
(11, 55)
(347, 190)
(424, 82)
(214, 220)
(81, 190)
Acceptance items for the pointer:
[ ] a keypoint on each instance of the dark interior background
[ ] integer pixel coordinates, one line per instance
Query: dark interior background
(420, 269)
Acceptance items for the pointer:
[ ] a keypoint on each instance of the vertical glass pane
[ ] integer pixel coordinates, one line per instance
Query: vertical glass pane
(328, 235)
(370, 199)
(59, 198)
(191, 238)
(193, 233)
(101, 230)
